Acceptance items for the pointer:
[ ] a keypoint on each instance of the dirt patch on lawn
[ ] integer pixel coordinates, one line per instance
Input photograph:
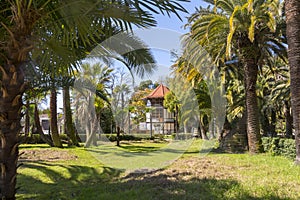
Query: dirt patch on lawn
(186, 169)
(45, 155)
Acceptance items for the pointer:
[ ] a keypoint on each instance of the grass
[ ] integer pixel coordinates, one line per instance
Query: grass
(193, 176)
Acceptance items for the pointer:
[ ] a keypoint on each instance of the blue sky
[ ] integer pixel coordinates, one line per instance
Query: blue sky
(174, 23)
(170, 37)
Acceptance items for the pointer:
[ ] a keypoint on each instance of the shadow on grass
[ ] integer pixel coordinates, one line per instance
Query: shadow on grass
(103, 183)
(138, 148)
(51, 184)
(35, 146)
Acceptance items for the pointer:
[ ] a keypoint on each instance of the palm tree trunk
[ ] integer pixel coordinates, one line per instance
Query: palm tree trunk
(273, 123)
(39, 127)
(203, 129)
(12, 89)
(68, 122)
(288, 120)
(118, 135)
(265, 123)
(53, 120)
(292, 9)
(203, 132)
(27, 120)
(92, 136)
(253, 130)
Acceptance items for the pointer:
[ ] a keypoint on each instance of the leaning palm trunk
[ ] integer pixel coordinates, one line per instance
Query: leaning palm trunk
(203, 132)
(53, 121)
(39, 127)
(68, 122)
(253, 130)
(292, 8)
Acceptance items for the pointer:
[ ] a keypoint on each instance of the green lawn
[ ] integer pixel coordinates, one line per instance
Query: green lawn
(193, 176)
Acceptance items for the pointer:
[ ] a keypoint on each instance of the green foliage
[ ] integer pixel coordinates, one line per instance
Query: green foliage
(36, 139)
(148, 84)
(137, 107)
(171, 102)
(160, 137)
(280, 146)
(113, 137)
(106, 120)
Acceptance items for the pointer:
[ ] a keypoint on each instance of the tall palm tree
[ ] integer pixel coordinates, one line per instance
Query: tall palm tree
(243, 28)
(97, 77)
(292, 10)
(22, 23)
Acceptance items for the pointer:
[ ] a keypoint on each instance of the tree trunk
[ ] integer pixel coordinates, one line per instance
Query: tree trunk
(273, 123)
(292, 10)
(53, 120)
(27, 120)
(288, 121)
(92, 137)
(176, 123)
(39, 127)
(12, 89)
(253, 130)
(118, 135)
(203, 133)
(265, 123)
(68, 122)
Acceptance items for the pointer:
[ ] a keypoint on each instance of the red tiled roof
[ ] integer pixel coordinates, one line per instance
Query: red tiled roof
(159, 92)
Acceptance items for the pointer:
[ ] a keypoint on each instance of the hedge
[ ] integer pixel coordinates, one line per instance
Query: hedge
(280, 146)
(36, 139)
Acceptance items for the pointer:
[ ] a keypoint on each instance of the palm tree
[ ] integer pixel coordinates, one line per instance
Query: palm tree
(281, 97)
(292, 10)
(23, 25)
(97, 78)
(243, 28)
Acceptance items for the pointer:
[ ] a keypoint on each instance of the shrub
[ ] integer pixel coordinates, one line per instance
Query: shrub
(63, 136)
(159, 136)
(280, 146)
(36, 138)
(113, 137)
(266, 142)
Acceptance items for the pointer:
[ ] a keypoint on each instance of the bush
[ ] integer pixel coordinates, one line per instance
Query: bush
(63, 137)
(280, 146)
(159, 137)
(113, 137)
(36, 138)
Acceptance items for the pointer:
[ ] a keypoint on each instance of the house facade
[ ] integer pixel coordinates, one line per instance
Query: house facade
(159, 119)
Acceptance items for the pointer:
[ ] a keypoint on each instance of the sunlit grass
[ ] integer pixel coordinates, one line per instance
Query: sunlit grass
(193, 176)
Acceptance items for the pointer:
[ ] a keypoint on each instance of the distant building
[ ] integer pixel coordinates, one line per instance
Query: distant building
(45, 123)
(161, 120)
